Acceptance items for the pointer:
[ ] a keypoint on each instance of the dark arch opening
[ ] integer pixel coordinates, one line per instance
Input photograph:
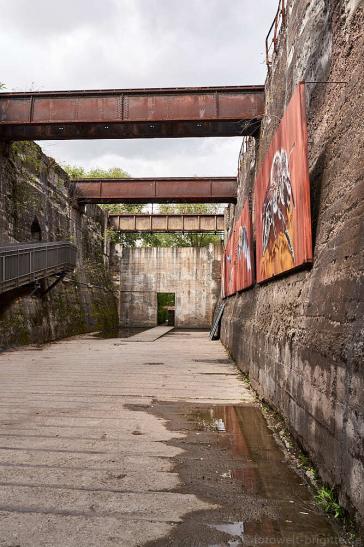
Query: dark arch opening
(35, 230)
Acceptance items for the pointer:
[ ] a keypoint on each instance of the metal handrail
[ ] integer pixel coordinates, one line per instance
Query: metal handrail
(279, 22)
(24, 263)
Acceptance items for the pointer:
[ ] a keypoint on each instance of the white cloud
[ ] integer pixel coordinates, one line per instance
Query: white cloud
(88, 44)
(162, 157)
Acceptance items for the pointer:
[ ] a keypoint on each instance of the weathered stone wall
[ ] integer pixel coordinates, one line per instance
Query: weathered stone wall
(192, 273)
(35, 194)
(300, 337)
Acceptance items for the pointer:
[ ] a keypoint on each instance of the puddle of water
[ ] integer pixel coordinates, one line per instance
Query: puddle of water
(203, 420)
(235, 529)
(257, 464)
(218, 361)
(234, 543)
(173, 333)
(118, 333)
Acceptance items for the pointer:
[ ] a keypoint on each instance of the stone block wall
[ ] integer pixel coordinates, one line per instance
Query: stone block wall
(36, 204)
(192, 273)
(300, 337)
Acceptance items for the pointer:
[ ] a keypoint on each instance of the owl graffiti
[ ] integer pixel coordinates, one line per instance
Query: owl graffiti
(243, 248)
(278, 203)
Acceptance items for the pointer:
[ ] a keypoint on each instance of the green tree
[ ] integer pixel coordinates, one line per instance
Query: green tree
(74, 171)
(78, 172)
(189, 239)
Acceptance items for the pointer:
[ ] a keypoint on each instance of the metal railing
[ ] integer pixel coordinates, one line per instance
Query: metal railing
(24, 263)
(271, 42)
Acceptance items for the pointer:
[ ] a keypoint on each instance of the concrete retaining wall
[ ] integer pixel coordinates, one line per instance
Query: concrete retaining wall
(192, 273)
(300, 337)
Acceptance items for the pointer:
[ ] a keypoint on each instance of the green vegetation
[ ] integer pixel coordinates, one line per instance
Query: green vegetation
(148, 240)
(325, 497)
(164, 299)
(30, 155)
(327, 500)
(184, 240)
(79, 172)
(303, 460)
(76, 172)
(305, 464)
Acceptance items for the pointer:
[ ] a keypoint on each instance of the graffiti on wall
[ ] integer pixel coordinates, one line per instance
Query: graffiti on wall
(282, 196)
(238, 264)
(229, 265)
(282, 209)
(244, 271)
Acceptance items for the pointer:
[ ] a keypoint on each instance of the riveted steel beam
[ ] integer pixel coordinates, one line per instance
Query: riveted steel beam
(132, 113)
(144, 223)
(157, 190)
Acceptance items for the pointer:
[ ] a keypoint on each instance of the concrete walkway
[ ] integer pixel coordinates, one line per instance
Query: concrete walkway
(83, 460)
(73, 468)
(150, 335)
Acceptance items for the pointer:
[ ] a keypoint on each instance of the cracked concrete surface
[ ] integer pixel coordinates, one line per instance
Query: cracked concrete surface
(79, 466)
(111, 442)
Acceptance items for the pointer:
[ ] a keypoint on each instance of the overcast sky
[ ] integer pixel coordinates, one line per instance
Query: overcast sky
(95, 44)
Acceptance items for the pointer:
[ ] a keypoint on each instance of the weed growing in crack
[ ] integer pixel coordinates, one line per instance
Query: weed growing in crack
(327, 500)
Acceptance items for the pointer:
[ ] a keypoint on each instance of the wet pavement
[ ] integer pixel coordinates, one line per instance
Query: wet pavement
(260, 499)
(104, 442)
(117, 333)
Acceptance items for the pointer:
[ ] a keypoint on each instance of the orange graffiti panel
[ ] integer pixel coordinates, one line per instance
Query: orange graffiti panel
(244, 269)
(238, 264)
(282, 196)
(230, 266)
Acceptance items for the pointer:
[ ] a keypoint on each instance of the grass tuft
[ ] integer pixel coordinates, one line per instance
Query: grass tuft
(327, 500)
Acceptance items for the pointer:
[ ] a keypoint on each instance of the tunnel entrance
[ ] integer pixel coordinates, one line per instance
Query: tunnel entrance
(35, 230)
(166, 307)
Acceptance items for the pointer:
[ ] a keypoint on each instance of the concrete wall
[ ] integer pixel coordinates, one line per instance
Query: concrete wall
(192, 273)
(33, 186)
(300, 337)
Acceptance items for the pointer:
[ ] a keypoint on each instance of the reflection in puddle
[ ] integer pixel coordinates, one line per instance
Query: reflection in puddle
(118, 333)
(235, 529)
(219, 424)
(257, 463)
(231, 543)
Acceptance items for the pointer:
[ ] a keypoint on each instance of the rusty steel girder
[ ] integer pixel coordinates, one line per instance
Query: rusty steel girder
(190, 223)
(132, 113)
(157, 190)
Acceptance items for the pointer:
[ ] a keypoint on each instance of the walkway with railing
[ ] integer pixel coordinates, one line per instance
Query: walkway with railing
(24, 263)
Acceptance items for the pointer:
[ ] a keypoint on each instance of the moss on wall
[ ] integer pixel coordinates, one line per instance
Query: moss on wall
(34, 186)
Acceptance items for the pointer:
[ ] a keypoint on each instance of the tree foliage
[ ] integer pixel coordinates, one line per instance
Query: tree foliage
(78, 172)
(180, 239)
(189, 239)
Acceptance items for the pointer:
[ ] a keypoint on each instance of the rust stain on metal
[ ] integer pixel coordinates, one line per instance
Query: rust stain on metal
(157, 190)
(132, 113)
(238, 265)
(167, 223)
